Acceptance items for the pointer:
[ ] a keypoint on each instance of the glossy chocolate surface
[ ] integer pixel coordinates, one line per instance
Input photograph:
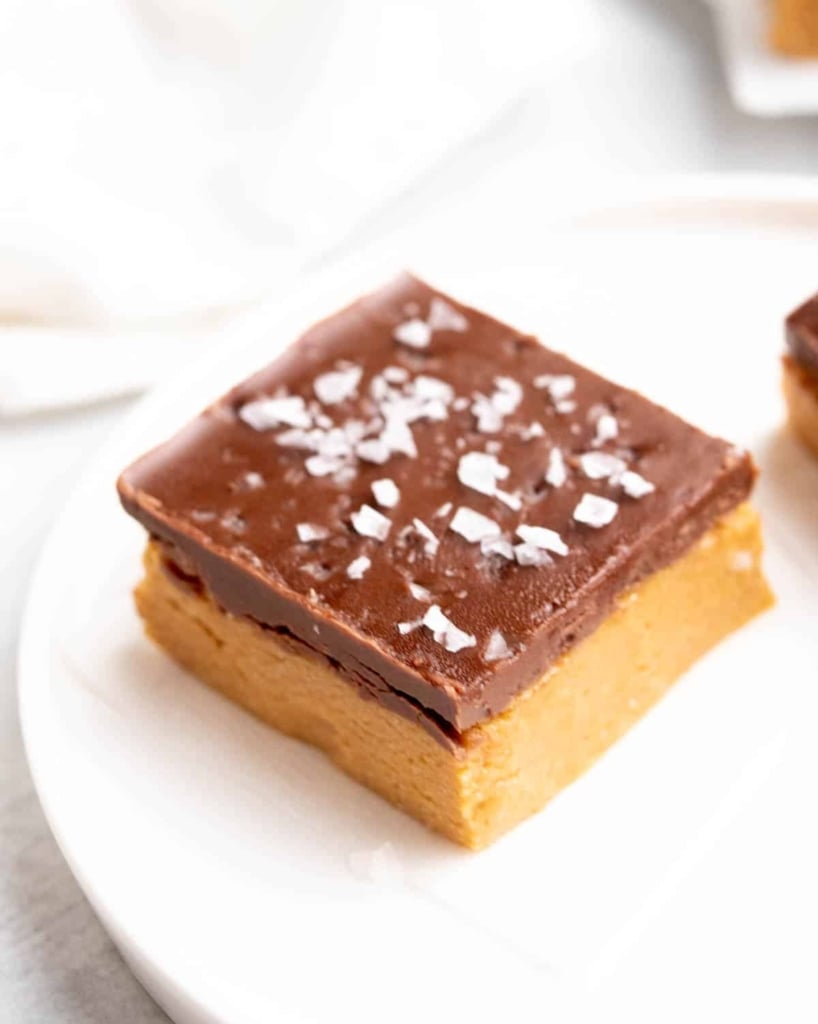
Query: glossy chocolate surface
(240, 507)
(802, 334)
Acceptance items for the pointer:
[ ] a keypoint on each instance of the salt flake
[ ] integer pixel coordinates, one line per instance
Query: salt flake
(253, 481)
(431, 542)
(634, 485)
(368, 522)
(481, 472)
(558, 385)
(473, 526)
(595, 511)
(556, 474)
(338, 385)
(373, 449)
(444, 317)
(497, 649)
(386, 493)
(432, 388)
(606, 429)
(542, 537)
(446, 632)
(357, 567)
(307, 532)
(414, 333)
(497, 546)
(267, 413)
(420, 593)
(601, 466)
(512, 501)
(531, 555)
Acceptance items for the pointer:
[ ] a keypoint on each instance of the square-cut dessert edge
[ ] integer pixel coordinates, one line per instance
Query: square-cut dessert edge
(511, 766)
(800, 386)
(611, 653)
(800, 371)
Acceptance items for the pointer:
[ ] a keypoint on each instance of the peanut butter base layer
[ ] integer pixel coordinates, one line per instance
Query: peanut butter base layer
(510, 766)
(801, 393)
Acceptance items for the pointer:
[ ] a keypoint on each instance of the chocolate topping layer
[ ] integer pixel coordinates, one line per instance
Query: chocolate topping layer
(801, 330)
(427, 590)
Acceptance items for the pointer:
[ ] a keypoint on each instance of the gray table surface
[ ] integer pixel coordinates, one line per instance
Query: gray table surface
(652, 100)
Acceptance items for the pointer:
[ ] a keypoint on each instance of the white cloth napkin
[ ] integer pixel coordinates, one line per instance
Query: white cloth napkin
(165, 161)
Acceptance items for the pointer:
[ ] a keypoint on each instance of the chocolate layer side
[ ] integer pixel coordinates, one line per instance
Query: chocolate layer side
(364, 678)
(801, 331)
(269, 512)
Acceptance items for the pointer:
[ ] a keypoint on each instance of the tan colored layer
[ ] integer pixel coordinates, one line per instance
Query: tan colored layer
(513, 764)
(794, 27)
(801, 393)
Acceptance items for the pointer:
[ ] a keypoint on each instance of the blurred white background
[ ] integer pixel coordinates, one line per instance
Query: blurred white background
(164, 163)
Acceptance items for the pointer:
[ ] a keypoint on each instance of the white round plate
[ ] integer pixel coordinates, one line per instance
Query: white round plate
(246, 880)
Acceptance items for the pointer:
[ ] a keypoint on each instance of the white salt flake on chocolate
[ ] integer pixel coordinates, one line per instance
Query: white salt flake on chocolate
(432, 388)
(531, 555)
(601, 466)
(461, 403)
(373, 449)
(420, 593)
(557, 473)
(558, 385)
(513, 501)
(444, 317)
(497, 546)
(634, 485)
(322, 465)
(408, 627)
(595, 511)
(534, 429)
(431, 542)
(386, 492)
(308, 532)
(565, 406)
(497, 649)
(369, 522)
(395, 374)
(473, 526)
(398, 437)
(253, 481)
(415, 333)
(380, 389)
(507, 396)
(489, 419)
(268, 413)
(542, 537)
(338, 385)
(298, 438)
(607, 429)
(444, 510)
(445, 632)
(358, 566)
(481, 472)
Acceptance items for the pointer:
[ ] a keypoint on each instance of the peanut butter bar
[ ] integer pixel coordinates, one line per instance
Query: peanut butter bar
(794, 27)
(453, 559)
(801, 371)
